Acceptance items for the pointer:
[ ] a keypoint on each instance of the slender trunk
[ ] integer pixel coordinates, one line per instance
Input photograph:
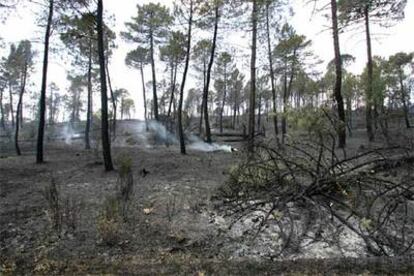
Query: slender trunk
(272, 76)
(236, 99)
(144, 97)
(2, 121)
(338, 79)
(187, 60)
(42, 103)
(89, 108)
(368, 104)
(208, 77)
(252, 100)
(11, 103)
(404, 101)
(106, 144)
(200, 125)
(113, 100)
(285, 100)
(259, 113)
(173, 82)
(224, 99)
(18, 111)
(154, 80)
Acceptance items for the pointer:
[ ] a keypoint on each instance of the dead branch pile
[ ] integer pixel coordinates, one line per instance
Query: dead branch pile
(308, 192)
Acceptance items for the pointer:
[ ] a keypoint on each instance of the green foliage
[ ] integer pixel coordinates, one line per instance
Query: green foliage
(150, 23)
(312, 120)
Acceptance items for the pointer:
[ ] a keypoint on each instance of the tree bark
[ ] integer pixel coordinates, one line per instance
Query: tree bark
(2, 121)
(89, 108)
(18, 111)
(368, 104)
(42, 103)
(252, 98)
(208, 76)
(11, 103)
(173, 82)
(272, 76)
(224, 99)
(106, 146)
(144, 97)
(404, 101)
(113, 100)
(338, 79)
(154, 80)
(180, 103)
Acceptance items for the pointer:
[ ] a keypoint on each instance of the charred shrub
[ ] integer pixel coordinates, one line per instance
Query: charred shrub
(109, 222)
(63, 212)
(125, 184)
(303, 188)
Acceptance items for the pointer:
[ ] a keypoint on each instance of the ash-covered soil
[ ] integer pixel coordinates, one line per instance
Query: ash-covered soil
(171, 225)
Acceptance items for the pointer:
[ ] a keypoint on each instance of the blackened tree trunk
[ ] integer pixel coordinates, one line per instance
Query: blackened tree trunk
(208, 74)
(272, 74)
(113, 100)
(42, 102)
(11, 102)
(252, 98)
(235, 106)
(18, 111)
(154, 80)
(173, 82)
(144, 96)
(2, 121)
(369, 92)
(223, 104)
(200, 124)
(180, 102)
(106, 146)
(285, 101)
(404, 101)
(341, 129)
(89, 108)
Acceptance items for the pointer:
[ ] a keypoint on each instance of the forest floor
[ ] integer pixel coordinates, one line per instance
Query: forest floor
(171, 226)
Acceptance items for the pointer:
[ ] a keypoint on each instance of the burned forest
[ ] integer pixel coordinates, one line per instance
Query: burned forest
(208, 137)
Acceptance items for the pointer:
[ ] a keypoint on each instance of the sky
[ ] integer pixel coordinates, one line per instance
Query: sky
(21, 24)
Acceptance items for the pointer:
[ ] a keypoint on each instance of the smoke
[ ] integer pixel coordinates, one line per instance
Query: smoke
(67, 134)
(157, 134)
(199, 145)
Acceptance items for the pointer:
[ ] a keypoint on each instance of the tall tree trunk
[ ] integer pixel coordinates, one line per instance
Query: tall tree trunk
(187, 60)
(18, 111)
(224, 99)
(2, 121)
(42, 103)
(106, 146)
(252, 99)
(208, 75)
(200, 125)
(338, 78)
(236, 99)
(404, 101)
(368, 104)
(11, 103)
(173, 82)
(285, 101)
(259, 113)
(144, 97)
(272, 75)
(113, 100)
(89, 109)
(154, 80)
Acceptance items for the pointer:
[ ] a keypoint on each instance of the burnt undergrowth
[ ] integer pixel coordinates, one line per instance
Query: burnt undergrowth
(307, 191)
